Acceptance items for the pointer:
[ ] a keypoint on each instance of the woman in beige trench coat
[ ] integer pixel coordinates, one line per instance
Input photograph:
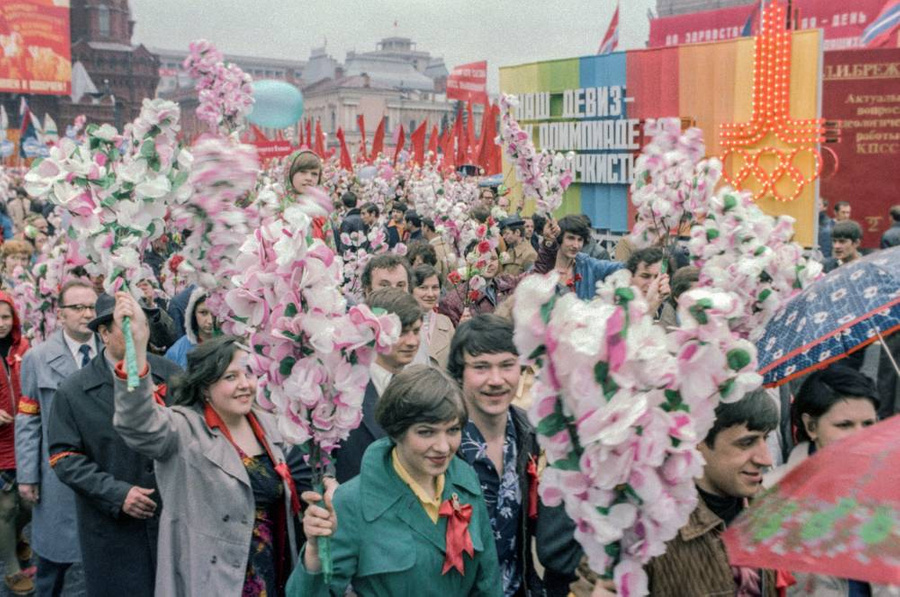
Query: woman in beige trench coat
(226, 491)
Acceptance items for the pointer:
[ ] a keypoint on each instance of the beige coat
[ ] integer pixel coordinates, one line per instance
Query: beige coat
(444, 254)
(521, 259)
(208, 509)
(439, 344)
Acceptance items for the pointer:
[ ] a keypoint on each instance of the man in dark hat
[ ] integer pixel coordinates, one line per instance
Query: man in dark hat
(520, 254)
(116, 497)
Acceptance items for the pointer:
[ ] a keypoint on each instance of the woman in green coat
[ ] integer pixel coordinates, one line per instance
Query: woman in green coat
(391, 525)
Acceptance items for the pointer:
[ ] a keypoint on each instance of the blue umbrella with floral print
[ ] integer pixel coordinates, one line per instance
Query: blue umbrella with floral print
(851, 307)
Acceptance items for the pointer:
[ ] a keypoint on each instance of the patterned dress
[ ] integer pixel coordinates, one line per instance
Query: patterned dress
(261, 579)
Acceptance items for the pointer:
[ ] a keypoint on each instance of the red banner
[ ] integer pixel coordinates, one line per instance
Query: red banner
(862, 88)
(269, 150)
(35, 54)
(468, 83)
(843, 23)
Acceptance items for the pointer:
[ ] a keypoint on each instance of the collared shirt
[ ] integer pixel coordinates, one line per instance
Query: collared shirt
(381, 377)
(75, 348)
(432, 504)
(502, 495)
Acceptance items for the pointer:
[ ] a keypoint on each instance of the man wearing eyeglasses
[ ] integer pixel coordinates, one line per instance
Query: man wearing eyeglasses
(54, 535)
(116, 497)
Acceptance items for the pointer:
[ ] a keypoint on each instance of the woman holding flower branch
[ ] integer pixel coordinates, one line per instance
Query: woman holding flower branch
(229, 497)
(414, 521)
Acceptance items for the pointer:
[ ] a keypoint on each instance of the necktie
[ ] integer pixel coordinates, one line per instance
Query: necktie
(85, 351)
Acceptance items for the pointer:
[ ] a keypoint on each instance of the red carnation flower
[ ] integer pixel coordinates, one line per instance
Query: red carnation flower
(174, 262)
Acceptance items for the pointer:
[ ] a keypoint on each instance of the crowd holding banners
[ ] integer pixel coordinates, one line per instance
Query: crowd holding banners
(653, 430)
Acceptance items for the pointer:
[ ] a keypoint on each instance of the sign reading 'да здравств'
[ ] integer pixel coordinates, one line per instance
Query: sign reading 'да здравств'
(589, 121)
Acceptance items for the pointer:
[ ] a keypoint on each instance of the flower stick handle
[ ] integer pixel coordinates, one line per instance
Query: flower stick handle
(130, 355)
(324, 544)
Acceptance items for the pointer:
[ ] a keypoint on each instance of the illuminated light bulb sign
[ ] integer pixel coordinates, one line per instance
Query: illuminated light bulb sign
(772, 138)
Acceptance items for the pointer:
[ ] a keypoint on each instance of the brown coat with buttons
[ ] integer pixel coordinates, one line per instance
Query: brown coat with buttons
(207, 522)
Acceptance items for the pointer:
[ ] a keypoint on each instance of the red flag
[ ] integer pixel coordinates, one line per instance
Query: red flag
(401, 141)
(309, 139)
(300, 135)
(433, 143)
(468, 83)
(320, 140)
(482, 154)
(418, 142)
(346, 162)
(257, 133)
(459, 133)
(447, 149)
(361, 123)
(496, 151)
(470, 134)
(378, 141)
(611, 39)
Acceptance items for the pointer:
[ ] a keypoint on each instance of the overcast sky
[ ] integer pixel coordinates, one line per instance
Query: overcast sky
(503, 32)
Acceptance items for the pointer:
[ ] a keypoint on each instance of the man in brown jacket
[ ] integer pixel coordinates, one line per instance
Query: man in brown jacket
(521, 255)
(695, 562)
(736, 454)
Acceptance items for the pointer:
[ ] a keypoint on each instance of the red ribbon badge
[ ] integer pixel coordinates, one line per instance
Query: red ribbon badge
(783, 580)
(159, 394)
(458, 538)
(533, 481)
(571, 283)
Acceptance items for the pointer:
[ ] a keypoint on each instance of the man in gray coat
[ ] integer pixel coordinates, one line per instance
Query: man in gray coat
(115, 487)
(54, 535)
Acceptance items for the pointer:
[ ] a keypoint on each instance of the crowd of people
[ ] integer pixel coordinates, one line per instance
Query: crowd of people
(184, 485)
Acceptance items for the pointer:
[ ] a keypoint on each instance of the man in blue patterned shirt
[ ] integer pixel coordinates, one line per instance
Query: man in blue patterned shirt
(499, 443)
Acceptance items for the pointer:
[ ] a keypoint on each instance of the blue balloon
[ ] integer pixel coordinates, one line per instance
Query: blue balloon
(276, 104)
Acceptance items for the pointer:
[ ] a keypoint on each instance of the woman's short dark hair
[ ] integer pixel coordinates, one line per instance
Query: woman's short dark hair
(305, 161)
(206, 364)
(755, 409)
(422, 273)
(419, 394)
(421, 249)
(370, 208)
(577, 224)
(823, 389)
(483, 334)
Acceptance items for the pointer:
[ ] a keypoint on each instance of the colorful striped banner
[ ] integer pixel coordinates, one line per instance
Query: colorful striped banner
(706, 84)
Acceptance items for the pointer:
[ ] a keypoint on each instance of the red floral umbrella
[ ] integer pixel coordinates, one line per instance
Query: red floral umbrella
(837, 513)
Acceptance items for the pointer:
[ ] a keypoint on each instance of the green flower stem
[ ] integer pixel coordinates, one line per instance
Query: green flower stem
(130, 355)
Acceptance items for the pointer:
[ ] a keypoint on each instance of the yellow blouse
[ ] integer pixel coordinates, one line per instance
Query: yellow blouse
(431, 504)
